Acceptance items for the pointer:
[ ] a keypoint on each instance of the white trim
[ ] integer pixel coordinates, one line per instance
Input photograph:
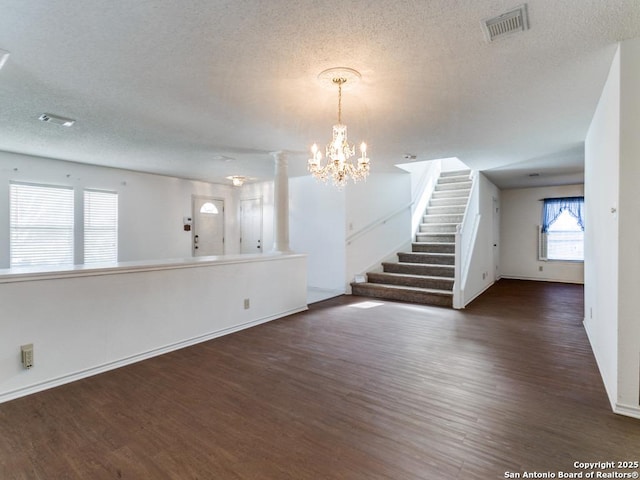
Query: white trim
(72, 377)
(627, 410)
(612, 402)
(538, 279)
(476, 295)
(28, 274)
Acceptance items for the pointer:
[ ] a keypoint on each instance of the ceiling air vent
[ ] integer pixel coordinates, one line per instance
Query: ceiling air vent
(513, 21)
(50, 118)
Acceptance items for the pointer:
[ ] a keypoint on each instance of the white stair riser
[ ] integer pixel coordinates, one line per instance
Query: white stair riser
(446, 210)
(437, 227)
(444, 202)
(453, 186)
(456, 173)
(451, 193)
(442, 218)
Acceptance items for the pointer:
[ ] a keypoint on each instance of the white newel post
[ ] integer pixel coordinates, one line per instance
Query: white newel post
(281, 204)
(457, 282)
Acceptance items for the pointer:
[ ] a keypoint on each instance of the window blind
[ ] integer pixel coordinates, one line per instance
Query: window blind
(100, 226)
(41, 225)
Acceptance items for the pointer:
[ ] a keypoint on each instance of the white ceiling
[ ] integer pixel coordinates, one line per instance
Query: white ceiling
(207, 88)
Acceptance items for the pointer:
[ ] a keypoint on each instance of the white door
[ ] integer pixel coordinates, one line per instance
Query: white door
(208, 226)
(496, 238)
(251, 225)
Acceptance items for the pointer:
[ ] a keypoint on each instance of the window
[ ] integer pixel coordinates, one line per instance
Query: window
(100, 226)
(41, 225)
(209, 208)
(562, 232)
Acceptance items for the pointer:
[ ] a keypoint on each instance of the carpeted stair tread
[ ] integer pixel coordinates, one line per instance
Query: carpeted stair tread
(429, 258)
(404, 294)
(411, 280)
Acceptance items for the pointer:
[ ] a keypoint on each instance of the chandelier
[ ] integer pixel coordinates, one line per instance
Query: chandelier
(338, 166)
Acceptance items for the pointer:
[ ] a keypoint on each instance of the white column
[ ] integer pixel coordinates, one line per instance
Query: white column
(281, 204)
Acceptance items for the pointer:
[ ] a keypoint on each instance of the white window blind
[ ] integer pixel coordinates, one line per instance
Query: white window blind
(100, 226)
(41, 225)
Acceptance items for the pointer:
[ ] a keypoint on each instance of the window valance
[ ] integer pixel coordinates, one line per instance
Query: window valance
(553, 207)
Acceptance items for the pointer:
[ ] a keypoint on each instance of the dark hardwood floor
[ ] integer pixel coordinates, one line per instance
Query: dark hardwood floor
(396, 391)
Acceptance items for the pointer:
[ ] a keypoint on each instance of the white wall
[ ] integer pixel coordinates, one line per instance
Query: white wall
(83, 323)
(424, 176)
(378, 222)
(151, 207)
(481, 264)
(317, 228)
(612, 231)
(351, 230)
(602, 151)
(629, 229)
(521, 215)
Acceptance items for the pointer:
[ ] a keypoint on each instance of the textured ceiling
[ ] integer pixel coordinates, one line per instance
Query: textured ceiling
(206, 89)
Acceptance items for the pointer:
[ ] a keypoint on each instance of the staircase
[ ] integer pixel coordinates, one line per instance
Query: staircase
(426, 274)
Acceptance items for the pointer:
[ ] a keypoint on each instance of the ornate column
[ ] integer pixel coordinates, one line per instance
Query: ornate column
(281, 204)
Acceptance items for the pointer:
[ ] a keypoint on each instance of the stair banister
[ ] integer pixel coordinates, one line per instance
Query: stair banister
(457, 290)
(465, 239)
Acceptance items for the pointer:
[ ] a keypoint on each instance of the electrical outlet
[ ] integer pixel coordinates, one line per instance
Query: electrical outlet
(540, 268)
(27, 355)
(247, 304)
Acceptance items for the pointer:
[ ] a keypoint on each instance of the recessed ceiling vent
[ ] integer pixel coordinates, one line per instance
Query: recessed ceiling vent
(513, 21)
(50, 118)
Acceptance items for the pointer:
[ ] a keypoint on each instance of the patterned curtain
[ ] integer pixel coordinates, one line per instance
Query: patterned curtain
(553, 207)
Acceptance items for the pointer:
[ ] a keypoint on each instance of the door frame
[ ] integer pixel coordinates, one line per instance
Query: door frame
(194, 197)
(261, 200)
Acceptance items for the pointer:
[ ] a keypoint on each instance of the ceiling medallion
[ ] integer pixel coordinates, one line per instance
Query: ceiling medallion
(338, 166)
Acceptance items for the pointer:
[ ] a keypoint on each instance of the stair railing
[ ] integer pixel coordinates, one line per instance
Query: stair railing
(465, 236)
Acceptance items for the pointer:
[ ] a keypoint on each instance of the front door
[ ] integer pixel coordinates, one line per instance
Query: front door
(251, 225)
(208, 226)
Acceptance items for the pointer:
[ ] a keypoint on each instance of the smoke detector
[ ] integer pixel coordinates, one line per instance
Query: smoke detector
(50, 118)
(513, 21)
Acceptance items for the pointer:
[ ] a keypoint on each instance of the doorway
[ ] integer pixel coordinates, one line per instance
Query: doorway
(496, 239)
(251, 225)
(208, 226)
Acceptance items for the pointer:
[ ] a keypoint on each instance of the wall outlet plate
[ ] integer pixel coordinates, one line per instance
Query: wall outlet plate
(26, 352)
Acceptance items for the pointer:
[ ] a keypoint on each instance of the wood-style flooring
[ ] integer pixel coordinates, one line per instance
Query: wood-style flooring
(394, 391)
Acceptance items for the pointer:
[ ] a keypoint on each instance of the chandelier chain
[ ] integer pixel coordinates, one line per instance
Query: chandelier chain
(339, 81)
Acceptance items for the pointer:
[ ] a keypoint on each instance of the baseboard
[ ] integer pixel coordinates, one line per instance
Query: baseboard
(72, 377)
(627, 410)
(538, 279)
(612, 401)
(477, 295)
(317, 294)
